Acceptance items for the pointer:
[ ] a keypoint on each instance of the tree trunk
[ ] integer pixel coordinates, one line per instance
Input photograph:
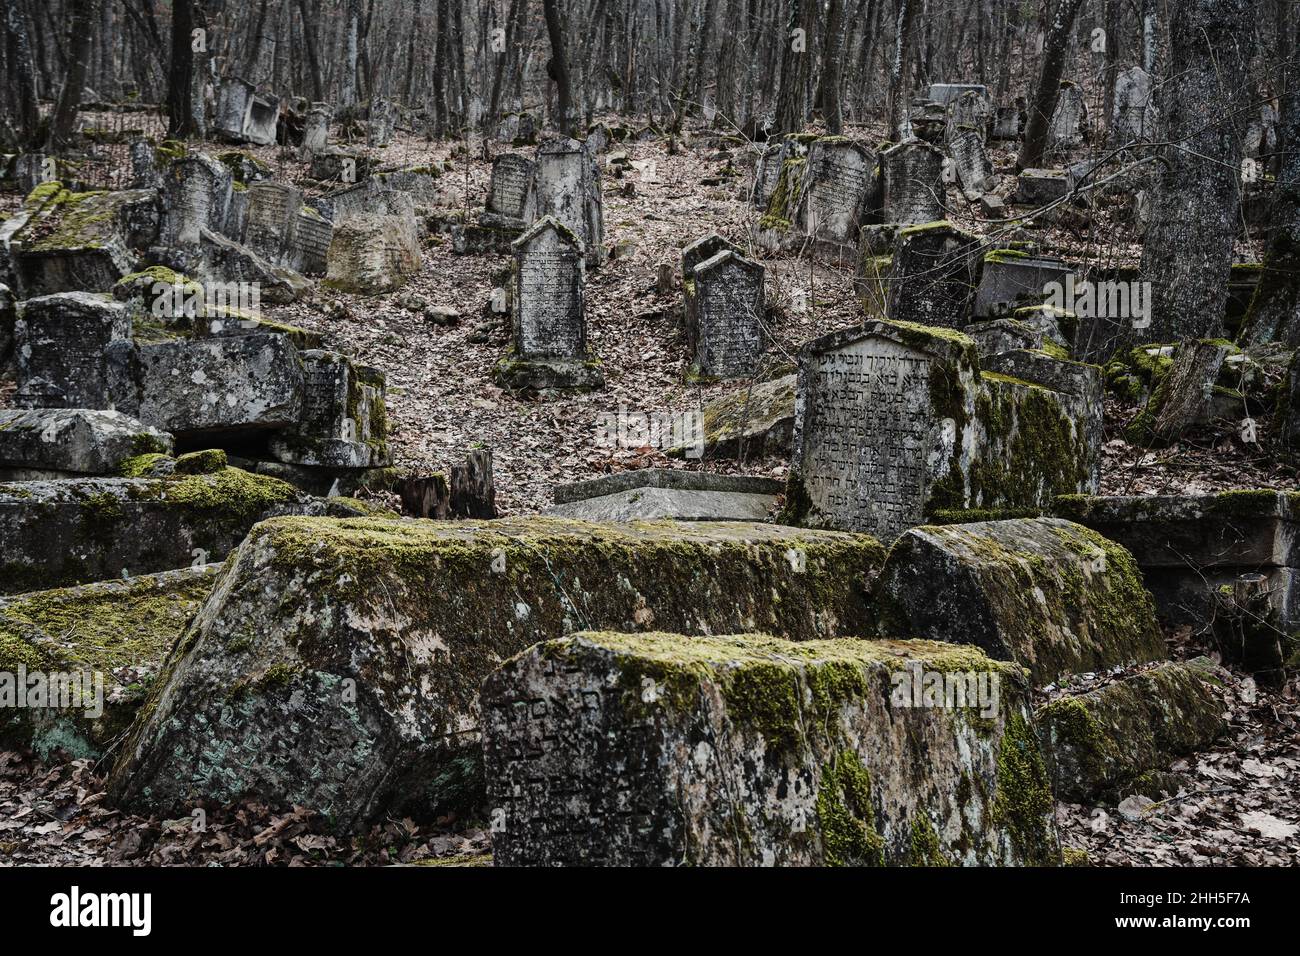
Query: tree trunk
(82, 34)
(182, 72)
(832, 108)
(473, 494)
(309, 41)
(558, 68)
(1188, 247)
(22, 73)
(348, 84)
(1034, 151)
(904, 28)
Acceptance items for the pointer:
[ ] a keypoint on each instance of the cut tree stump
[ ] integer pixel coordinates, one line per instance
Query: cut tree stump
(473, 494)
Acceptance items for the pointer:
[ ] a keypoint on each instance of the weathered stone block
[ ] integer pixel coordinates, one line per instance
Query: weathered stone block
(751, 423)
(648, 494)
(411, 616)
(659, 749)
(1038, 187)
(111, 635)
(1053, 596)
(911, 183)
(73, 351)
(932, 278)
(344, 423)
(1101, 743)
(370, 254)
(1011, 280)
(724, 316)
(54, 443)
(58, 533)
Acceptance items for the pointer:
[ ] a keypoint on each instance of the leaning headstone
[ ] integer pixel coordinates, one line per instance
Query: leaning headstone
(272, 211)
(381, 122)
(1052, 596)
(550, 323)
(974, 171)
(702, 249)
(911, 183)
(724, 317)
(1012, 279)
(316, 129)
(73, 351)
(932, 281)
(969, 112)
(1134, 117)
(1065, 130)
(309, 243)
(8, 312)
(508, 191)
(374, 253)
(840, 191)
(196, 196)
(144, 165)
(234, 100)
(566, 186)
(606, 749)
(1008, 123)
(343, 420)
(222, 261)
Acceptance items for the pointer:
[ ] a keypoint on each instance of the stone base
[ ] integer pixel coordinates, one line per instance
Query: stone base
(549, 374)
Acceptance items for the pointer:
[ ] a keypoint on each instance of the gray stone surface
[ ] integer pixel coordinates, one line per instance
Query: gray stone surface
(343, 422)
(73, 350)
(196, 196)
(1038, 187)
(725, 315)
(640, 750)
(372, 254)
(73, 441)
(1010, 280)
(841, 190)
(911, 186)
(678, 479)
(651, 504)
(566, 186)
(1065, 130)
(1135, 116)
(507, 196)
(932, 278)
(1050, 595)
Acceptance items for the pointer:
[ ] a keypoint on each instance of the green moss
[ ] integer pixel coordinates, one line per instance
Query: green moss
(846, 816)
(1074, 726)
(143, 465)
(201, 462)
(925, 848)
(1024, 803)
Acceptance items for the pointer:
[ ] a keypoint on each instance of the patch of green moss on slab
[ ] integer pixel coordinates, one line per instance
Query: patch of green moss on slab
(846, 816)
(1024, 803)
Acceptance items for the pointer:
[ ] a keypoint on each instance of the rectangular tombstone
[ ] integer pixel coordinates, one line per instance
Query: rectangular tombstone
(1007, 124)
(309, 243)
(272, 211)
(911, 183)
(549, 316)
(767, 170)
(841, 187)
(508, 190)
(342, 422)
(316, 130)
(1066, 128)
(1135, 115)
(605, 749)
(932, 280)
(566, 186)
(73, 351)
(234, 100)
(702, 249)
(196, 196)
(967, 113)
(263, 120)
(724, 316)
(381, 123)
(974, 171)
(945, 93)
(871, 433)
(1011, 280)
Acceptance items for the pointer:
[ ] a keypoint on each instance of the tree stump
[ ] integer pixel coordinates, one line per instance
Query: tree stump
(425, 497)
(473, 494)
(1246, 628)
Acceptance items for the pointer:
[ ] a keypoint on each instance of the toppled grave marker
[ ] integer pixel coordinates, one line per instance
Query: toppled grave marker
(56, 443)
(654, 493)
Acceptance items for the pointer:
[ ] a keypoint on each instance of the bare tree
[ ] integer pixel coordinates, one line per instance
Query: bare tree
(81, 35)
(558, 68)
(1034, 149)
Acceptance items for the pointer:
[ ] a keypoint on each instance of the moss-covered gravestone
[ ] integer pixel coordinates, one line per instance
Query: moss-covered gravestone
(841, 191)
(343, 422)
(1050, 595)
(339, 665)
(659, 749)
(550, 322)
(196, 196)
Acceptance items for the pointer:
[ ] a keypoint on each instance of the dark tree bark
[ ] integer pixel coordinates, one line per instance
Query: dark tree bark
(904, 30)
(514, 25)
(1043, 105)
(309, 42)
(1274, 313)
(792, 101)
(558, 68)
(832, 109)
(351, 53)
(1188, 248)
(184, 79)
(81, 31)
(22, 77)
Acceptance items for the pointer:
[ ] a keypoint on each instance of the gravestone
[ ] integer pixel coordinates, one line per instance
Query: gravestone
(1065, 131)
(342, 421)
(1038, 187)
(969, 112)
(508, 191)
(911, 183)
(840, 191)
(263, 120)
(46, 443)
(381, 122)
(1134, 117)
(196, 196)
(272, 211)
(72, 242)
(1011, 280)
(870, 438)
(371, 253)
(316, 129)
(724, 317)
(974, 171)
(945, 93)
(932, 280)
(234, 100)
(144, 165)
(566, 186)
(1009, 122)
(73, 351)
(550, 322)
(309, 243)
(702, 249)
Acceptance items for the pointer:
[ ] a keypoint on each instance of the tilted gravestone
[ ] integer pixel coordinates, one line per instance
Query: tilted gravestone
(196, 196)
(372, 253)
(1066, 128)
(508, 191)
(566, 186)
(724, 316)
(309, 243)
(234, 99)
(970, 111)
(550, 322)
(647, 750)
(73, 351)
(945, 93)
(840, 191)
(895, 424)
(1008, 122)
(1135, 115)
(343, 421)
(381, 122)
(702, 249)
(974, 171)
(1012, 280)
(272, 211)
(932, 281)
(911, 186)
(316, 130)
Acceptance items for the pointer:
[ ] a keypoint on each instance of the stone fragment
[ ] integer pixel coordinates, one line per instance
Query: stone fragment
(56, 443)
(657, 749)
(343, 422)
(73, 351)
(755, 422)
(1050, 595)
(371, 254)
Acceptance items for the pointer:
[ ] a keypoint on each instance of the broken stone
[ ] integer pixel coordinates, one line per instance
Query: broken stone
(223, 262)
(1039, 187)
(945, 93)
(343, 422)
(1050, 595)
(412, 616)
(315, 131)
(55, 443)
(752, 423)
(76, 530)
(969, 112)
(994, 336)
(73, 351)
(665, 752)
(371, 254)
(381, 122)
(1101, 744)
(110, 634)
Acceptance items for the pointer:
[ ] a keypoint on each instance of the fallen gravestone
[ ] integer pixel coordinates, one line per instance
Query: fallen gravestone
(655, 493)
(73, 350)
(1050, 595)
(49, 443)
(752, 423)
(386, 629)
(658, 749)
(550, 323)
(343, 423)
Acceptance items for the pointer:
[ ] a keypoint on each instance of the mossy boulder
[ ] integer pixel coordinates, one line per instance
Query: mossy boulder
(753, 422)
(1051, 595)
(77, 530)
(338, 665)
(1104, 742)
(660, 749)
(112, 634)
